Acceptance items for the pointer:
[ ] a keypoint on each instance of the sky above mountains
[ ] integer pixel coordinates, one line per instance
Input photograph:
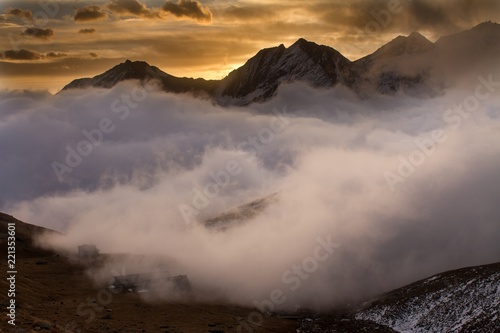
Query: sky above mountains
(46, 44)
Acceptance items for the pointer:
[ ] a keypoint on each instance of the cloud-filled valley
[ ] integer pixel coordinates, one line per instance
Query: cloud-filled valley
(404, 187)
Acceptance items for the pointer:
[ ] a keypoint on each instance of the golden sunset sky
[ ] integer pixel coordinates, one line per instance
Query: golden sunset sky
(46, 44)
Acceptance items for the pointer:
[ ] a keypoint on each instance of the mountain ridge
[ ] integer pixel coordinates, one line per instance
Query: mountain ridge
(411, 64)
(461, 300)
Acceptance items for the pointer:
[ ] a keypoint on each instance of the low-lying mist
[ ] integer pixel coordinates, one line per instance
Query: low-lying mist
(371, 194)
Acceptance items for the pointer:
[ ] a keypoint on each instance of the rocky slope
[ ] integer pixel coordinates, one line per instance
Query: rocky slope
(464, 300)
(240, 215)
(404, 64)
(142, 71)
(258, 79)
(54, 294)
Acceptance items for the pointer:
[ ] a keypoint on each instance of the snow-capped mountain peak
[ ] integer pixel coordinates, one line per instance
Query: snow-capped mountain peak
(304, 61)
(464, 300)
(411, 64)
(413, 44)
(128, 70)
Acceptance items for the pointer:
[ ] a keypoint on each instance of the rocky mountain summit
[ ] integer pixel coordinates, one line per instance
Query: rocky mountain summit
(410, 64)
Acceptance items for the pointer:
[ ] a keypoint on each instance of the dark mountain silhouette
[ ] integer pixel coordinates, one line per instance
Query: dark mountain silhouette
(410, 64)
(142, 71)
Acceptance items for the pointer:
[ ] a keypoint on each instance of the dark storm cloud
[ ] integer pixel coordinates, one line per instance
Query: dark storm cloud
(38, 33)
(429, 13)
(188, 8)
(30, 55)
(250, 12)
(404, 16)
(353, 16)
(22, 55)
(131, 7)
(89, 13)
(451, 15)
(21, 13)
(87, 31)
(77, 67)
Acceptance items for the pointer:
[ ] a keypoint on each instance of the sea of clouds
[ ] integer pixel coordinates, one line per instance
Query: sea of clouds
(398, 188)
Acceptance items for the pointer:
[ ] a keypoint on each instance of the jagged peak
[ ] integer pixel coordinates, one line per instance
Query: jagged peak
(412, 44)
(136, 63)
(482, 30)
(417, 36)
(303, 60)
(267, 50)
(303, 43)
(412, 38)
(129, 67)
(311, 48)
(488, 25)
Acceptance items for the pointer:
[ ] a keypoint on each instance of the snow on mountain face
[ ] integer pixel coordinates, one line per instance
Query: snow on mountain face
(473, 50)
(466, 300)
(484, 35)
(138, 70)
(402, 54)
(129, 70)
(415, 43)
(402, 64)
(143, 72)
(412, 64)
(318, 65)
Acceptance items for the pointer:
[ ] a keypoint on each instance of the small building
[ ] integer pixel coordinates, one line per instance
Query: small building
(131, 282)
(143, 282)
(181, 282)
(87, 251)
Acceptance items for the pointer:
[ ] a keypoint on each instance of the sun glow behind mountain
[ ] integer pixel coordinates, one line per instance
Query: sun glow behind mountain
(63, 40)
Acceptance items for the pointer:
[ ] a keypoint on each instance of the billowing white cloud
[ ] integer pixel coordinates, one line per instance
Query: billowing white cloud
(406, 187)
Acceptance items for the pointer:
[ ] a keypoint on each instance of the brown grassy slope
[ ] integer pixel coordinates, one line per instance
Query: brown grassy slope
(53, 294)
